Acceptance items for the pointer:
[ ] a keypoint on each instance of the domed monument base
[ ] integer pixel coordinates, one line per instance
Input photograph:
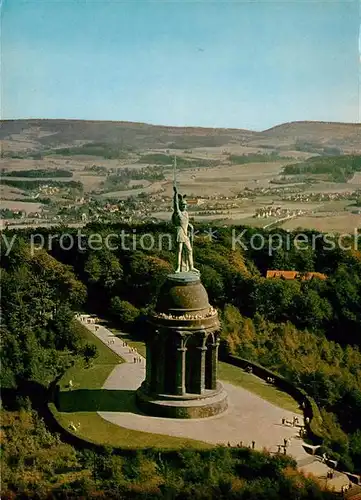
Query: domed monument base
(182, 353)
(188, 406)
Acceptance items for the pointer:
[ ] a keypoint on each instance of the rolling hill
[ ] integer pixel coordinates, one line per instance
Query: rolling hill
(42, 135)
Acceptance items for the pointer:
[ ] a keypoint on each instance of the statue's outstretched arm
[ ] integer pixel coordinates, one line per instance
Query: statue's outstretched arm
(175, 199)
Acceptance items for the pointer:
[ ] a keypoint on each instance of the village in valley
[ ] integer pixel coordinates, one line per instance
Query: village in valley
(230, 176)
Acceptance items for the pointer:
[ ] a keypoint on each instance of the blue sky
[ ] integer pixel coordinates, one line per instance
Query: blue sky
(246, 64)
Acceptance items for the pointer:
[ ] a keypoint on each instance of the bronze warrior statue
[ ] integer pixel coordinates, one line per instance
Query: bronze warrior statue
(180, 220)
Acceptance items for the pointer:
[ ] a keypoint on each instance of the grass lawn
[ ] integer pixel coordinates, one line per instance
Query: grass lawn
(94, 376)
(236, 376)
(98, 430)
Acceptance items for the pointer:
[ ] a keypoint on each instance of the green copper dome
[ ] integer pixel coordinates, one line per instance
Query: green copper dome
(181, 293)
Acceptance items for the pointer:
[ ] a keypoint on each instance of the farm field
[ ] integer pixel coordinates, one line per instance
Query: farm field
(356, 179)
(25, 206)
(235, 173)
(339, 223)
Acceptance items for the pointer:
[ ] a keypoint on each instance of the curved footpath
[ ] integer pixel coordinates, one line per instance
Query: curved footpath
(248, 418)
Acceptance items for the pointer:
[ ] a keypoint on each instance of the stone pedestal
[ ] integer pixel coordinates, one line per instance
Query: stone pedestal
(182, 349)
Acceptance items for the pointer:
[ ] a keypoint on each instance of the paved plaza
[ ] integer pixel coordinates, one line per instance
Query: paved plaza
(248, 417)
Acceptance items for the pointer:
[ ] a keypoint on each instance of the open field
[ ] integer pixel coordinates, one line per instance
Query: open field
(356, 179)
(21, 205)
(225, 180)
(340, 223)
(154, 187)
(332, 187)
(10, 193)
(335, 206)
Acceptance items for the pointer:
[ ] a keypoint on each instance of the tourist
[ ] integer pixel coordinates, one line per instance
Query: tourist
(253, 444)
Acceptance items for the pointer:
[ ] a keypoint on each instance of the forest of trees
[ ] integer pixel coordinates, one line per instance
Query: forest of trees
(31, 173)
(102, 149)
(336, 168)
(309, 331)
(36, 184)
(182, 162)
(37, 464)
(255, 158)
(39, 296)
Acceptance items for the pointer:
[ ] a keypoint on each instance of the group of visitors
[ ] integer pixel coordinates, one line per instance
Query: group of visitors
(344, 489)
(241, 445)
(295, 421)
(270, 380)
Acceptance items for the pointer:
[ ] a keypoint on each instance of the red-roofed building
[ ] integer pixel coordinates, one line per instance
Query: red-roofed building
(292, 275)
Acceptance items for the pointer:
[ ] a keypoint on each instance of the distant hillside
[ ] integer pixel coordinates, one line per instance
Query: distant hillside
(42, 135)
(312, 136)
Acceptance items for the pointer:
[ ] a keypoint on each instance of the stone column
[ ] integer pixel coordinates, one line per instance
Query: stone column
(156, 366)
(159, 368)
(153, 385)
(214, 365)
(181, 371)
(199, 376)
(148, 364)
